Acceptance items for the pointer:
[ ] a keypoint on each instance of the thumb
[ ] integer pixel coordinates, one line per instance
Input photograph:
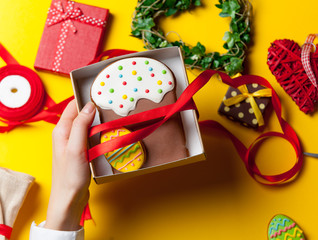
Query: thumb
(78, 136)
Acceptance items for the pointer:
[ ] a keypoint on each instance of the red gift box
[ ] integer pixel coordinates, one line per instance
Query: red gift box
(72, 36)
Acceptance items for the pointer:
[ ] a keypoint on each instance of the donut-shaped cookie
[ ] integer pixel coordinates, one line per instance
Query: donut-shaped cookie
(126, 159)
(121, 84)
(21, 93)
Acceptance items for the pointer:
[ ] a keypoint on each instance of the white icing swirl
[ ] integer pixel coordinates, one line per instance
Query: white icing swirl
(121, 84)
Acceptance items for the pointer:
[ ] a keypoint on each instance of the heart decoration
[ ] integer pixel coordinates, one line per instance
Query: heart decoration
(284, 61)
(282, 227)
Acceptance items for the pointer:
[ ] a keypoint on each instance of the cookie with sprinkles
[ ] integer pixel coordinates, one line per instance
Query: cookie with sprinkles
(136, 84)
(125, 159)
(123, 83)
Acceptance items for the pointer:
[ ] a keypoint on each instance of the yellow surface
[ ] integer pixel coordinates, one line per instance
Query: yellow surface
(214, 199)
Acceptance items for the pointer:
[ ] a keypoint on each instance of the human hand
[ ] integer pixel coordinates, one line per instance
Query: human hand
(70, 171)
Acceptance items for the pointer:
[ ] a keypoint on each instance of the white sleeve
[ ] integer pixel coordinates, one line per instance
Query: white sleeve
(40, 233)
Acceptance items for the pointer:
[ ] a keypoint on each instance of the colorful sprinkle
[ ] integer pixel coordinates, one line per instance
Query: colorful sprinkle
(121, 105)
(110, 101)
(102, 84)
(133, 63)
(124, 83)
(120, 75)
(146, 62)
(159, 82)
(147, 90)
(152, 75)
(170, 83)
(120, 67)
(139, 78)
(124, 96)
(134, 72)
(111, 90)
(107, 76)
(99, 93)
(159, 90)
(131, 99)
(150, 69)
(164, 71)
(135, 90)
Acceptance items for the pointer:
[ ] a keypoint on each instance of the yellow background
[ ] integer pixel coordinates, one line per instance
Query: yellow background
(213, 199)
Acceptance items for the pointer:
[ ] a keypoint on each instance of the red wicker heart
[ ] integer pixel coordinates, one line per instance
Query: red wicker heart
(284, 61)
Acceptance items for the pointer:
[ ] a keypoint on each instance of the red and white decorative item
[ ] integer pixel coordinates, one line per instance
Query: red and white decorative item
(295, 69)
(23, 98)
(72, 36)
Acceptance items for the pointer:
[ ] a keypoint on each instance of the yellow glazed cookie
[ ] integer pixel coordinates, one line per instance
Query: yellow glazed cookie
(126, 159)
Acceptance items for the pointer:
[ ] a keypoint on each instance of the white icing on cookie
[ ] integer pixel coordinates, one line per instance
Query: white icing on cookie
(15, 91)
(120, 85)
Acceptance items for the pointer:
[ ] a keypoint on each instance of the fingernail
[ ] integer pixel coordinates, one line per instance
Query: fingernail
(89, 108)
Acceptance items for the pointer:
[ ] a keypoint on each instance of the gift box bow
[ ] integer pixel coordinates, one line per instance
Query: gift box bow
(245, 94)
(57, 14)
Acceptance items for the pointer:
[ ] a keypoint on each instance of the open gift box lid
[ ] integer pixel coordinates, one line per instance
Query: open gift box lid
(82, 80)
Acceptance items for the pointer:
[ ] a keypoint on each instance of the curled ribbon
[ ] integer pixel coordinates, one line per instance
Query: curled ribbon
(5, 231)
(247, 95)
(185, 102)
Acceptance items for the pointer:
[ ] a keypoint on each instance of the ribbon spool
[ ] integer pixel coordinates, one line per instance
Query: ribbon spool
(31, 86)
(23, 97)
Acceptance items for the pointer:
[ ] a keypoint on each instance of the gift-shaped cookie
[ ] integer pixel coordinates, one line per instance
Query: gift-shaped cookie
(133, 85)
(246, 104)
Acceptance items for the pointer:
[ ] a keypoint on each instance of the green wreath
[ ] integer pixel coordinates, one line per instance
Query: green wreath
(236, 39)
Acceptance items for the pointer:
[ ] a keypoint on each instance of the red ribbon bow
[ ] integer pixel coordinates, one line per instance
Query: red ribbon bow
(58, 14)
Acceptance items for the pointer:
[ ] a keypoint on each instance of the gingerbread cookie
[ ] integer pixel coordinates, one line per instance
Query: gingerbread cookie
(125, 159)
(119, 86)
(133, 85)
(282, 227)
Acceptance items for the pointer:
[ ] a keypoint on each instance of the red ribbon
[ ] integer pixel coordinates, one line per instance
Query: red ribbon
(86, 215)
(185, 102)
(39, 106)
(5, 231)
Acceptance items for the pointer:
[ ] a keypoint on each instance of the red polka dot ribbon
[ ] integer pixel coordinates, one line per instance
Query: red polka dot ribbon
(185, 102)
(65, 15)
(39, 106)
(5, 231)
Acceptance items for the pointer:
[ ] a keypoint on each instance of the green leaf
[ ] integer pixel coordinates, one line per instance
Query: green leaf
(163, 44)
(189, 61)
(197, 3)
(186, 50)
(234, 26)
(199, 49)
(227, 36)
(230, 43)
(146, 23)
(246, 38)
(171, 11)
(235, 66)
(136, 33)
(229, 8)
(170, 3)
(216, 64)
